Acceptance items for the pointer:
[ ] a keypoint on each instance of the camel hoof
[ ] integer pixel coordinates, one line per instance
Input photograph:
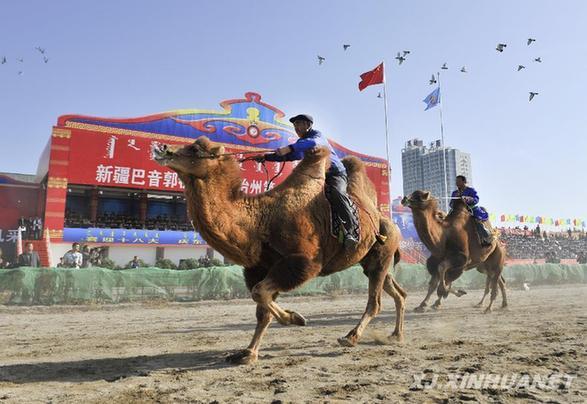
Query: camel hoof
(436, 307)
(244, 357)
(478, 305)
(397, 337)
(504, 307)
(487, 310)
(420, 309)
(347, 341)
(461, 292)
(296, 319)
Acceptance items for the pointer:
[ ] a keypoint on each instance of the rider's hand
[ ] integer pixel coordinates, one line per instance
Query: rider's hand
(282, 151)
(259, 159)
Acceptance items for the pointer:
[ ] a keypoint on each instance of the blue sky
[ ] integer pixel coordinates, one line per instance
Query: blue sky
(134, 58)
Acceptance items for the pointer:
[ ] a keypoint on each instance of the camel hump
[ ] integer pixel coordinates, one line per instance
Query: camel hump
(353, 165)
(317, 153)
(359, 183)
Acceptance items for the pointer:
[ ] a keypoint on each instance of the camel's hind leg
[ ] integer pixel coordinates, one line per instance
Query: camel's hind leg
(394, 290)
(494, 265)
(375, 265)
(504, 298)
(487, 288)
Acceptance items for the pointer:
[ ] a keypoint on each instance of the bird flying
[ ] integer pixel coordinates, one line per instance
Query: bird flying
(530, 40)
(500, 47)
(463, 69)
(433, 80)
(538, 59)
(520, 67)
(400, 58)
(444, 66)
(345, 47)
(321, 60)
(532, 95)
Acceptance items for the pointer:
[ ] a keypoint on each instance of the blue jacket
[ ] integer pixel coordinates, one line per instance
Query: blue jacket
(478, 212)
(312, 139)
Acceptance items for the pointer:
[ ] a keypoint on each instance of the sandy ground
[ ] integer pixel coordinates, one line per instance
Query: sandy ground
(174, 352)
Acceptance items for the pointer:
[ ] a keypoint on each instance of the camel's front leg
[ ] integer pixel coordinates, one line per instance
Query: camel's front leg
(456, 264)
(251, 353)
(263, 293)
(432, 285)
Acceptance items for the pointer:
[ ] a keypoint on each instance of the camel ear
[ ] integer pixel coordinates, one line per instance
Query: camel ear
(217, 150)
(426, 195)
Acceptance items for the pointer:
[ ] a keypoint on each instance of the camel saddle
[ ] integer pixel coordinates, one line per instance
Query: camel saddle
(337, 228)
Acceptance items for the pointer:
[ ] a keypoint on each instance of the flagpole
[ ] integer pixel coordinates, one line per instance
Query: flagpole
(442, 138)
(387, 144)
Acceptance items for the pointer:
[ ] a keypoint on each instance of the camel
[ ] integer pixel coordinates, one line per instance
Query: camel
(282, 237)
(454, 247)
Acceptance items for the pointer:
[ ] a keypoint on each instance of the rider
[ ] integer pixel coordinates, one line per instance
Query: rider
(469, 195)
(336, 176)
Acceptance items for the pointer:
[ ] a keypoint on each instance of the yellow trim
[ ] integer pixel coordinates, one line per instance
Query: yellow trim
(56, 233)
(57, 182)
(54, 214)
(60, 162)
(59, 147)
(60, 132)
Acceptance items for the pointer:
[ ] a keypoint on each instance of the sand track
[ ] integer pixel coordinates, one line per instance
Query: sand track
(174, 352)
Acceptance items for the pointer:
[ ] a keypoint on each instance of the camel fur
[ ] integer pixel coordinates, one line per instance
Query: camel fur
(454, 246)
(282, 237)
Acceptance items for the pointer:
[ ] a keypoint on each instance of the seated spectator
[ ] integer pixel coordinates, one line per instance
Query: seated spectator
(73, 258)
(29, 258)
(135, 262)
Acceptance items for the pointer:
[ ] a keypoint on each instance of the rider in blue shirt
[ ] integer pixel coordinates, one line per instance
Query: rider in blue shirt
(336, 176)
(470, 197)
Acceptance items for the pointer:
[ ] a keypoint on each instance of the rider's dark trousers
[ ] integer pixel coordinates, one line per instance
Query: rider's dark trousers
(340, 200)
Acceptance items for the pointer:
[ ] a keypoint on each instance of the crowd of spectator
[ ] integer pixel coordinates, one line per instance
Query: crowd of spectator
(116, 221)
(526, 243)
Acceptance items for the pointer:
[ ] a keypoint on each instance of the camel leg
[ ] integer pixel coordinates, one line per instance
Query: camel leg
(376, 280)
(456, 265)
(375, 265)
(494, 282)
(501, 283)
(487, 283)
(251, 353)
(286, 274)
(432, 267)
(432, 285)
(393, 289)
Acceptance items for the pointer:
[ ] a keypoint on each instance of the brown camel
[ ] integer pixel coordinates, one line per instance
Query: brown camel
(282, 237)
(454, 246)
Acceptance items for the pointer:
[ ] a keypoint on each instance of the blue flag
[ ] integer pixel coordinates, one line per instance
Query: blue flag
(433, 99)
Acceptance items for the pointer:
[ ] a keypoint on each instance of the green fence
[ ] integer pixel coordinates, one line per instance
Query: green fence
(28, 286)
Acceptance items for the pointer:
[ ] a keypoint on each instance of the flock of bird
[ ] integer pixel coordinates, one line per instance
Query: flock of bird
(20, 60)
(402, 56)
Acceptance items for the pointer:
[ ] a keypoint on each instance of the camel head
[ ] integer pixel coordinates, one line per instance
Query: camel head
(420, 200)
(196, 159)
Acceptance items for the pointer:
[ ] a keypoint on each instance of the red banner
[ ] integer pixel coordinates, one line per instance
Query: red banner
(125, 161)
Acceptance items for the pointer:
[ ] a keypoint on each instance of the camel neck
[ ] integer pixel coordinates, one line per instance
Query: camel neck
(428, 228)
(220, 214)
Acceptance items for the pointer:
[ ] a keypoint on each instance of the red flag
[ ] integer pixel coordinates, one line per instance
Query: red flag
(369, 78)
